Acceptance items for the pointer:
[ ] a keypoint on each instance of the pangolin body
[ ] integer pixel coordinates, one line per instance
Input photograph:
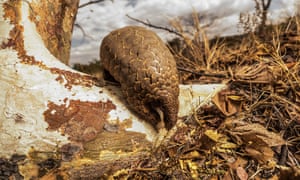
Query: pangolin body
(144, 66)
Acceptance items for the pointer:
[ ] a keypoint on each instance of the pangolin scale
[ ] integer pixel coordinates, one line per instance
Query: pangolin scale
(141, 62)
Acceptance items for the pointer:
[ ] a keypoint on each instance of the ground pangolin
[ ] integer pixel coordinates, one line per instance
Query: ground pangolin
(141, 62)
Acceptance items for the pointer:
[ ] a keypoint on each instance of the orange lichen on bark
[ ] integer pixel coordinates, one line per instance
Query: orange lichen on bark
(81, 121)
(73, 78)
(16, 41)
(54, 22)
(13, 14)
(12, 11)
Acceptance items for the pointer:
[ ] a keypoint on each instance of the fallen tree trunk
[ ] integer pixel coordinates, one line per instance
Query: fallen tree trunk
(48, 108)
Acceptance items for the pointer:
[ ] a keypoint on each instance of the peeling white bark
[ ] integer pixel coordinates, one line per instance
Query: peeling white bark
(29, 87)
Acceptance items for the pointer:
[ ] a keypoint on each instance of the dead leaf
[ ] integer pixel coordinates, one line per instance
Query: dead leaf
(241, 173)
(233, 166)
(228, 102)
(227, 176)
(261, 152)
(222, 141)
(213, 135)
(239, 162)
(191, 155)
(289, 172)
(257, 140)
(192, 167)
(248, 131)
(49, 176)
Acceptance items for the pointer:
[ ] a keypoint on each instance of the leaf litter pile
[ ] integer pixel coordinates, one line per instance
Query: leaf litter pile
(252, 130)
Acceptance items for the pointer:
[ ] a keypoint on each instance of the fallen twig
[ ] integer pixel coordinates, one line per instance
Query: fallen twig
(154, 26)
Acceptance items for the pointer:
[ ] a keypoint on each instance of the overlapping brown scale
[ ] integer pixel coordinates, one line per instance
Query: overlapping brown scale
(146, 70)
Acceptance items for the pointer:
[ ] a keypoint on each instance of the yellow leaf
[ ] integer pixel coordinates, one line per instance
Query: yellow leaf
(235, 98)
(213, 135)
(228, 145)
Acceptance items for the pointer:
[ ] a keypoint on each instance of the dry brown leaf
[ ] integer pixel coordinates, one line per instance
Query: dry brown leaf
(228, 102)
(241, 173)
(239, 162)
(49, 176)
(191, 155)
(214, 178)
(257, 140)
(222, 141)
(289, 172)
(214, 135)
(260, 151)
(275, 177)
(249, 131)
(227, 176)
(189, 165)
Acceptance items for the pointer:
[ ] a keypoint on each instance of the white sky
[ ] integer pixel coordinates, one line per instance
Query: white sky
(97, 20)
